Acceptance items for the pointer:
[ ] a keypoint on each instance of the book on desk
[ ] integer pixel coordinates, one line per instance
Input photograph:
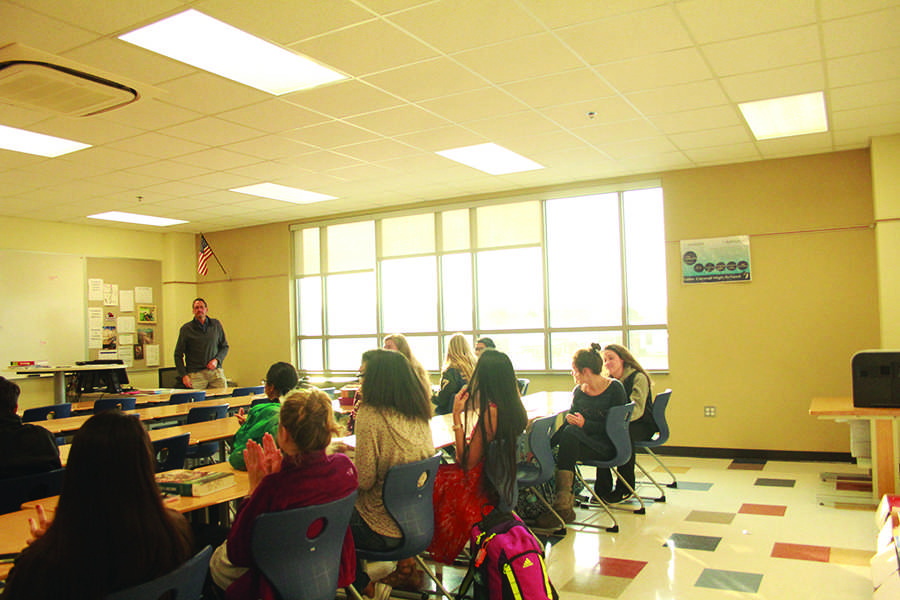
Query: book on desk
(184, 482)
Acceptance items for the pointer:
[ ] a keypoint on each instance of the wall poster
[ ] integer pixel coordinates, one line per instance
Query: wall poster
(716, 260)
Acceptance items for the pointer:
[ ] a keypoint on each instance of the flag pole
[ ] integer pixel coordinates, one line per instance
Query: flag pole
(213, 253)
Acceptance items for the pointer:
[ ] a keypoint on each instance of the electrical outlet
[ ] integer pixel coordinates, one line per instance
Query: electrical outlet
(709, 411)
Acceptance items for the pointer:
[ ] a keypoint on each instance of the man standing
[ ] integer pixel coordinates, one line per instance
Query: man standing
(200, 350)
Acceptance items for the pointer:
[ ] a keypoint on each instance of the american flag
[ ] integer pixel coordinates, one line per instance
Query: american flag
(205, 253)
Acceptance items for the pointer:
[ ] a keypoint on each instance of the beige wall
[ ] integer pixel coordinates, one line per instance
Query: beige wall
(175, 250)
(886, 184)
(759, 351)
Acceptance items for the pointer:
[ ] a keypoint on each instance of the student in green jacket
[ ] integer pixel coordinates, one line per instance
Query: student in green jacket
(262, 418)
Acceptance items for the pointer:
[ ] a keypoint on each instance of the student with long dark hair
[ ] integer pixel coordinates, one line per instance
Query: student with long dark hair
(111, 530)
(488, 410)
(392, 428)
(583, 435)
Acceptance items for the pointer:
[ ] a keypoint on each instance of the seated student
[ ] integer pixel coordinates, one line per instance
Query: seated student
(622, 365)
(263, 418)
(483, 344)
(458, 367)
(25, 449)
(392, 428)
(489, 409)
(298, 474)
(111, 530)
(583, 435)
(398, 342)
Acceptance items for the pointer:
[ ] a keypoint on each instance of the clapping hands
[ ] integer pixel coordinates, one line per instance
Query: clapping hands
(261, 460)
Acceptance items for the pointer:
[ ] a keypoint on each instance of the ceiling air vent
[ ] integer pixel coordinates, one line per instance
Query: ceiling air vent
(33, 79)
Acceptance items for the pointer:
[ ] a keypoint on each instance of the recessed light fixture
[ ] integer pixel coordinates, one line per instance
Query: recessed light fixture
(209, 44)
(784, 117)
(491, 158)
(282, 192)
(125, 217)
(29, 142)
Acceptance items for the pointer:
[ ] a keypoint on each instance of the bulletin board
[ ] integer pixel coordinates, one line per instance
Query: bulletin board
(123, 315)
(42, 307)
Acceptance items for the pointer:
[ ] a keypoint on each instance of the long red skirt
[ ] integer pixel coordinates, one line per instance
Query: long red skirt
(459, 503)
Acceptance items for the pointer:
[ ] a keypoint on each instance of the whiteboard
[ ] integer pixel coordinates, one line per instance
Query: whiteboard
(42, 307)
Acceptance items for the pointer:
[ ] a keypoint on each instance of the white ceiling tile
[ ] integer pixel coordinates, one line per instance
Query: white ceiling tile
(795, 146)
(697, 120)
(628, 35)
(608, 133)
(863, 33)
(511, 126)
(679, 98)
(836, 9)
(717, 20)
(377, 150)
(273, 116)
(578, 85)
(642, 147)
(99, 17)
(156, 145)
(169, 169)
(398, 120)
(344, 99)
(151, 113)
(427, 79)
(867, 94)
(270, 147)
(108, 158)
(117, 57)
(656, 71)
(217, 159)
(211, 131)
(863, 68)
(125, 179)
(322, 160)
(712, 137)
(174, 188)
(764, 52)
(605, 110)
(442, 138)
(40, 31)
(723, 154)
(870, 116)
(522, 58)
(330, 134)
(452, 26)
(208, 93)
(787, 81)
(87, 130)
(365, 48)
(573, 12)
(477, 104)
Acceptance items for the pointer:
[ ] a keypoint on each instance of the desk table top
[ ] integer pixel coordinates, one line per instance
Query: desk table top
(843, 407)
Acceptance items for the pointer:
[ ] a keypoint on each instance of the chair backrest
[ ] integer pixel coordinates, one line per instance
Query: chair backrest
(539, 444)
(168, 378)
(659, 416)
(259, 401)
(618, 420)
(300, 559)
(59, 411)
(185, 582)
(523, 386)
(182, 397)
(171, 452)
(408, 498)
(249, 391)
(15, 491)
(122, 403)
(200, 414)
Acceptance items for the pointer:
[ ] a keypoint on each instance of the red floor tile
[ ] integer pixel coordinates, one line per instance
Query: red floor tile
(619, 567)
(801, 552)
(770, 510)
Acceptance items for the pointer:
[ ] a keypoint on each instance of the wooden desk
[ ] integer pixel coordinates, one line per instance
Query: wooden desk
(150, 413)
(883, 424)
(59, 375)
(208, 431)
(151, 399)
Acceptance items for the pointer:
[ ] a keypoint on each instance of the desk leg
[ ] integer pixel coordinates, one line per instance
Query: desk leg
(59, 387)
(885, 458)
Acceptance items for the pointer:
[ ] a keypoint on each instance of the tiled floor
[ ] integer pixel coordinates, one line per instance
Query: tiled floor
(748, 531)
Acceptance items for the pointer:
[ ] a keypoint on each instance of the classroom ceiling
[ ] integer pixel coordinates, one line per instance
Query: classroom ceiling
(590, 89)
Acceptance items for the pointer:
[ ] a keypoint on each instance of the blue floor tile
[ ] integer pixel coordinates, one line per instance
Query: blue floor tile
(775, 482)
(685, 541)
(694, 486)
(729, 580)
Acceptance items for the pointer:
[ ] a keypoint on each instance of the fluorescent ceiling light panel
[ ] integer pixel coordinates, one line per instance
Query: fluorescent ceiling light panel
(784, 117)
(491, 158)
(282, 192)
(125, 217)
(209, 44)
(19, 140)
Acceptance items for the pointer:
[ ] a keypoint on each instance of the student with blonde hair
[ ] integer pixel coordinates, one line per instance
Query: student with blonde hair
(457, 371)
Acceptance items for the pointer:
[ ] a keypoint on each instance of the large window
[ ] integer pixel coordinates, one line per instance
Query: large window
(541, 277)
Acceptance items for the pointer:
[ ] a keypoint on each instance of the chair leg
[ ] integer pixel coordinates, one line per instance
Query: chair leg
(352, 592)
(615, 526)
(662, 492)
(561, 530)
(674, 483)
(437, 582)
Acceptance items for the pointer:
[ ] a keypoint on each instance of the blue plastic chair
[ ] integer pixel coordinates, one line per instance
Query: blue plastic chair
(201, 414)
(171, 452)
(259, 401)
(523, 386)
(185, 582)
(59, 411)
(540, 470)
(298, 566)
(408, 499)
(182, 397)
(248, 391)
(659, 416)
(617, 421)
(15, 491)
(121, 403)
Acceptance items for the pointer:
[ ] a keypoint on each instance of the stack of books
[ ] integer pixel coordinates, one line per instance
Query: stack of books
(184, 482)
